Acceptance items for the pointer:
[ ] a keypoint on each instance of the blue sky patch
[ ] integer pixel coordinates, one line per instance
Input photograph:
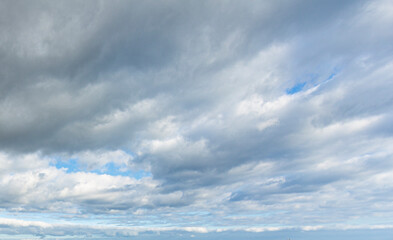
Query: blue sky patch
(110, 168)
(297, 88)
(71, 165)
(331, 76)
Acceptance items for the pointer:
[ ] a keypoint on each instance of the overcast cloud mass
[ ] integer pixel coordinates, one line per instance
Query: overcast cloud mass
(180, 119)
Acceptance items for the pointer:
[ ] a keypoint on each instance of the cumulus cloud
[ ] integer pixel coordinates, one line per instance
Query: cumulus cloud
(185, 114)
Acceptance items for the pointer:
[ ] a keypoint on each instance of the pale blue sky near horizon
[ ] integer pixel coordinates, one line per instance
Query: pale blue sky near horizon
(360, 234)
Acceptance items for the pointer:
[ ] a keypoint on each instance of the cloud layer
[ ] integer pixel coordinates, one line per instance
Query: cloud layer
(182, 116)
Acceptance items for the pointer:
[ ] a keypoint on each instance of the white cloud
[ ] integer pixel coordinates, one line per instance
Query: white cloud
(263, 125)
(194, 98)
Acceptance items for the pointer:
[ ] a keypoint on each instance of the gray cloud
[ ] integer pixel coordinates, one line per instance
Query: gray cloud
(230, 108)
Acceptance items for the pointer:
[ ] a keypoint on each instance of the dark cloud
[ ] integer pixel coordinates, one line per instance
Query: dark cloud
(196, 95)
(51, 49)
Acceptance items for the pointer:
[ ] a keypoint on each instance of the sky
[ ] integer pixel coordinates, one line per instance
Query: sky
(196, 119)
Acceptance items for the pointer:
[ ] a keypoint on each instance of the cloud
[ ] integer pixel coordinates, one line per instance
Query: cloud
(193, 114)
